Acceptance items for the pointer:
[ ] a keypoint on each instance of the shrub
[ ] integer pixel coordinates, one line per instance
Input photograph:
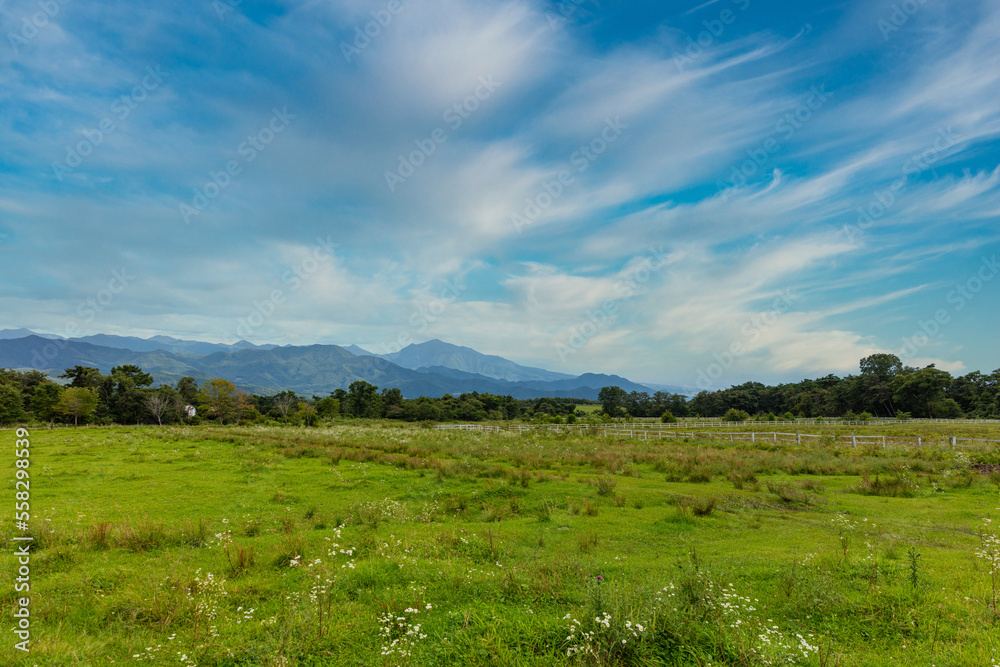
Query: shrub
(703, 506)
(734, 415)
(605, 485)
(812, 485)
(668, 418)
(787, 493)
(523, 477)
(741, 478)
(674, 473)
(899, 486)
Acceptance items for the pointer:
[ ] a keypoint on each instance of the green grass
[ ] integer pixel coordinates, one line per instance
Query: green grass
(284, 546)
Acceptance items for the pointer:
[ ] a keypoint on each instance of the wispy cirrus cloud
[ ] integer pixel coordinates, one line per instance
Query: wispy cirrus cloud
(666, 181)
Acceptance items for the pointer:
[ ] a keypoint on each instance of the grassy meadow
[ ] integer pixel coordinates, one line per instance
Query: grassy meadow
(387, 544)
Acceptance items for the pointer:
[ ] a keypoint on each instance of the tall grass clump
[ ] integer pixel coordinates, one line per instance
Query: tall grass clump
(900, 485)
(605, 485)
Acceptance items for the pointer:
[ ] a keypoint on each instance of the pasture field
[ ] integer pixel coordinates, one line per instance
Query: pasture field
(376, 543)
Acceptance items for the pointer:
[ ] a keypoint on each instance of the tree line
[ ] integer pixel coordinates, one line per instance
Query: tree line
(126, 396)
(883, 388)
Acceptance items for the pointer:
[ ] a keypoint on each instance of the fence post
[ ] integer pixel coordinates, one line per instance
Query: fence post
(918, 441)
(752, 438)
(775, 436)
(798, 437)
(854, 440)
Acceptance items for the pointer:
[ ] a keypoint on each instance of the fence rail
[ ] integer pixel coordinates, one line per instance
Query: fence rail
(606, 431)
(652, 422)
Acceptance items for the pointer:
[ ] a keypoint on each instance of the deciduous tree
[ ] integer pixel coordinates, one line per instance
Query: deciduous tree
(44, 400)
(220, 398)
(11, 405)
(284, 402)
(157, 404)
(364, 400)
(613, 401)
(77, 402)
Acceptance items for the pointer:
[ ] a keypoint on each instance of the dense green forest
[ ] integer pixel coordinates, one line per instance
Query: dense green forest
(883, 388)
(127, 396)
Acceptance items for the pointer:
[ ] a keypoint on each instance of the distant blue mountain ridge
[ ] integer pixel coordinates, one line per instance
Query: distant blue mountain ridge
(433, 368)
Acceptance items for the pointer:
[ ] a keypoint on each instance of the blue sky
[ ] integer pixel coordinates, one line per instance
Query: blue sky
(691, 193)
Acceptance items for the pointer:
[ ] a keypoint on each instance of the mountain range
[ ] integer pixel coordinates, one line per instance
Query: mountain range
(433, 368)
(436, 353)
(136, 344)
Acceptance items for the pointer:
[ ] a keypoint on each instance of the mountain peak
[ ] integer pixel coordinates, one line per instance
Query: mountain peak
(438, 353)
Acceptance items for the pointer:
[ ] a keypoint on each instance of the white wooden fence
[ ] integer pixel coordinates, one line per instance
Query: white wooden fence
(623, 431)
(715, 423)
